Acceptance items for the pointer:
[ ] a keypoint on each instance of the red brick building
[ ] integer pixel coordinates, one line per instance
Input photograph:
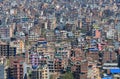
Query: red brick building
(16, 67)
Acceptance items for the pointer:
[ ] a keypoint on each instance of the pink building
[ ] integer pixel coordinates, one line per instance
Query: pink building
(97, 34)
(34, 60)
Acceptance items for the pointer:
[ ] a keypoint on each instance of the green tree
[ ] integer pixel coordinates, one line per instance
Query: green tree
(51, 77)
(68, 75)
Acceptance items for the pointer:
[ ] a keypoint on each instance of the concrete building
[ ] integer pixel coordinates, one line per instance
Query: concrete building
(34, 57)
(16, 68)
(50, 64)
(93, 71)
(93, 55)
(58, 65)
(111, 34)
(2, 71)
(33, 37)
(50, 36)
(84, 70)
(5, 32)
(40, 73)
(109, 56)
(20, 46)
(7, 50)
(97, 34)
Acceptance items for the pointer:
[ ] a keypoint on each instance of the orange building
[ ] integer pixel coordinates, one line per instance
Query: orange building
(97, 34)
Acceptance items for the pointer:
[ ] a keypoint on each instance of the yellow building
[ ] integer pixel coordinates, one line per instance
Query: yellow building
(19, 44)
(93, 72)
(45, 73)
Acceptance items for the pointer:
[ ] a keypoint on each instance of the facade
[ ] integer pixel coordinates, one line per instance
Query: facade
(45, 73)
(111, 34)
(58, 36)
(36, 74)
(109, 56)
(51, 65)
(34, 60)
(5, 32)
(20, 46)
(84, 70)
(40, 73)
(93, 55)
(16, 69)
(97, 34)
(50, 36)
(2, 71)
(7, 50)
(58, 65)
(93, 71)
(118, 36)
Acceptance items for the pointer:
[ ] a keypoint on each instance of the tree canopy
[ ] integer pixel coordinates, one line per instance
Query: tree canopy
(68, 75)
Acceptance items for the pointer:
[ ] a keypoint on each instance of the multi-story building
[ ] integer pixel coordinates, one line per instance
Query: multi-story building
(33, 37)
(2, 71)
(93, 71)
(84, 69)
(51, 23)
(45, 73)
(63, 35)
(35, 74)
(50, 64)
(119, 36)
(19, 44)
(109, 55)
(110, 34)
(97, 34)
(5, 32)
(34, 60)
(40, 73)
(7, 50)
(93, 55)
(50, 36)
(15, 69)
(41, 46)
(62, 50)
(58, 65)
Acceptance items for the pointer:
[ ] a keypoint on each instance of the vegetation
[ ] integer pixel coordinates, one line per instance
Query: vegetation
(68, 75)
(53, 76)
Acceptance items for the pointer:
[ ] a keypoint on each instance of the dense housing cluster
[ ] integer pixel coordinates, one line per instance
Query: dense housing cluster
(59, 39)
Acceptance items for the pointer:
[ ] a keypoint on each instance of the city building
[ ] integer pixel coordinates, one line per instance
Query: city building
(7, 50)
(5, 32)
(2, 69)
(40, 73)
(20, 46)
(15, 70)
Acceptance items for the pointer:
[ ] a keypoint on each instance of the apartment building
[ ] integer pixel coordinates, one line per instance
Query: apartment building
(40, 73)
(20, 46)
(7, 50)
(109, 56)
(58, 65)
(2, 67)
(84, 69)
(5, 32)
(16, 69)
(34, 58)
